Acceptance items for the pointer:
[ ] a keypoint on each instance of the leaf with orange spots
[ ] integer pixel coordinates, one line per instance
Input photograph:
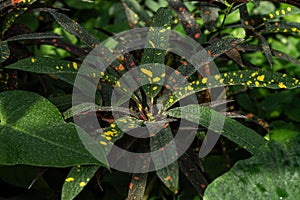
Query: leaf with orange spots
(74, 28)
(193, 172)
(137, 186)
(164, 155)
(76, 180)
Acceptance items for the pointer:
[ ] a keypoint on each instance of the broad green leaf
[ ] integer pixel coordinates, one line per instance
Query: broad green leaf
(64, 70)
(33, 36)
(272, 173)
(153, 71)
(4, 51)
(136, 8)
(163, 148)
(33, 132)
(283, 131)
(76, 180)
(74, 28)
(249, 78)
(233, 130)
(137, 186)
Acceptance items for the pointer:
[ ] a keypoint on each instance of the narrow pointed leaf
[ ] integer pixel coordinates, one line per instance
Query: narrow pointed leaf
(233, 130)
(249, 78)
(136, 8)
(266, 49)
(153, 71)
(74, 28)
(33, 36)
(5, 52)
(137, 186)
(163, 148)
(76, 180)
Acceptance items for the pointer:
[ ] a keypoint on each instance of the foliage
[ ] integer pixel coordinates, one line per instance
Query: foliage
(254, 44)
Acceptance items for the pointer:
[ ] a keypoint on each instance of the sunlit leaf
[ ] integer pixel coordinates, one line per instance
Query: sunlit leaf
(76, 180)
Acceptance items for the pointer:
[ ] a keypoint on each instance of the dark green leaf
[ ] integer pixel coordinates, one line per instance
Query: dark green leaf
(33, 36)
(272, 173)
(153, 71)
(74, 28)
(163, 148)
(33, 132)
(233, 130)
(136, 8)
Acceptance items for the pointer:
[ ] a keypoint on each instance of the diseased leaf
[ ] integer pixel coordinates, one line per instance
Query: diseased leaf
(153, 71)
(76, 180)
(74, 28)
(209, 14)
(163, 151)
(193, 173)
(136, 8)
(233, 130)
(188, 21)
(249, 78)
(266, 49)
(137, 186)
(64, 70)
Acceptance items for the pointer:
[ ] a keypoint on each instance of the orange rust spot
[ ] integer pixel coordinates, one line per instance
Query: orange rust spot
(184, 63)
(14, 2)
(68, 49)
(197, 35)
(209, 52)
(54, 40)
(202, 186)
(121, 67)
(177, 72)
(130, 185)
(168, 178)
(136, 178)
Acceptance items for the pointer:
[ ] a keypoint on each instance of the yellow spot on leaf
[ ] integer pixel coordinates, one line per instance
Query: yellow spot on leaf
(283, 75)
(289, 9)
(294, 29)
(261, 78)
(152, 44)
(147, 72)
(108, 138)
(33, 60)
(281, 85)
(204, 80)
(69, 179)
(277, 12)
(283, 12)
(249, 83)
(163, 75)
(75, 65)
(254, 74)
(256, 83)
(156, 79)
(271, 16)
(190, 87)
(82, 184)
(221, 80)
(103, 143)
(57, 67)
(217, 77)
(154, 88)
